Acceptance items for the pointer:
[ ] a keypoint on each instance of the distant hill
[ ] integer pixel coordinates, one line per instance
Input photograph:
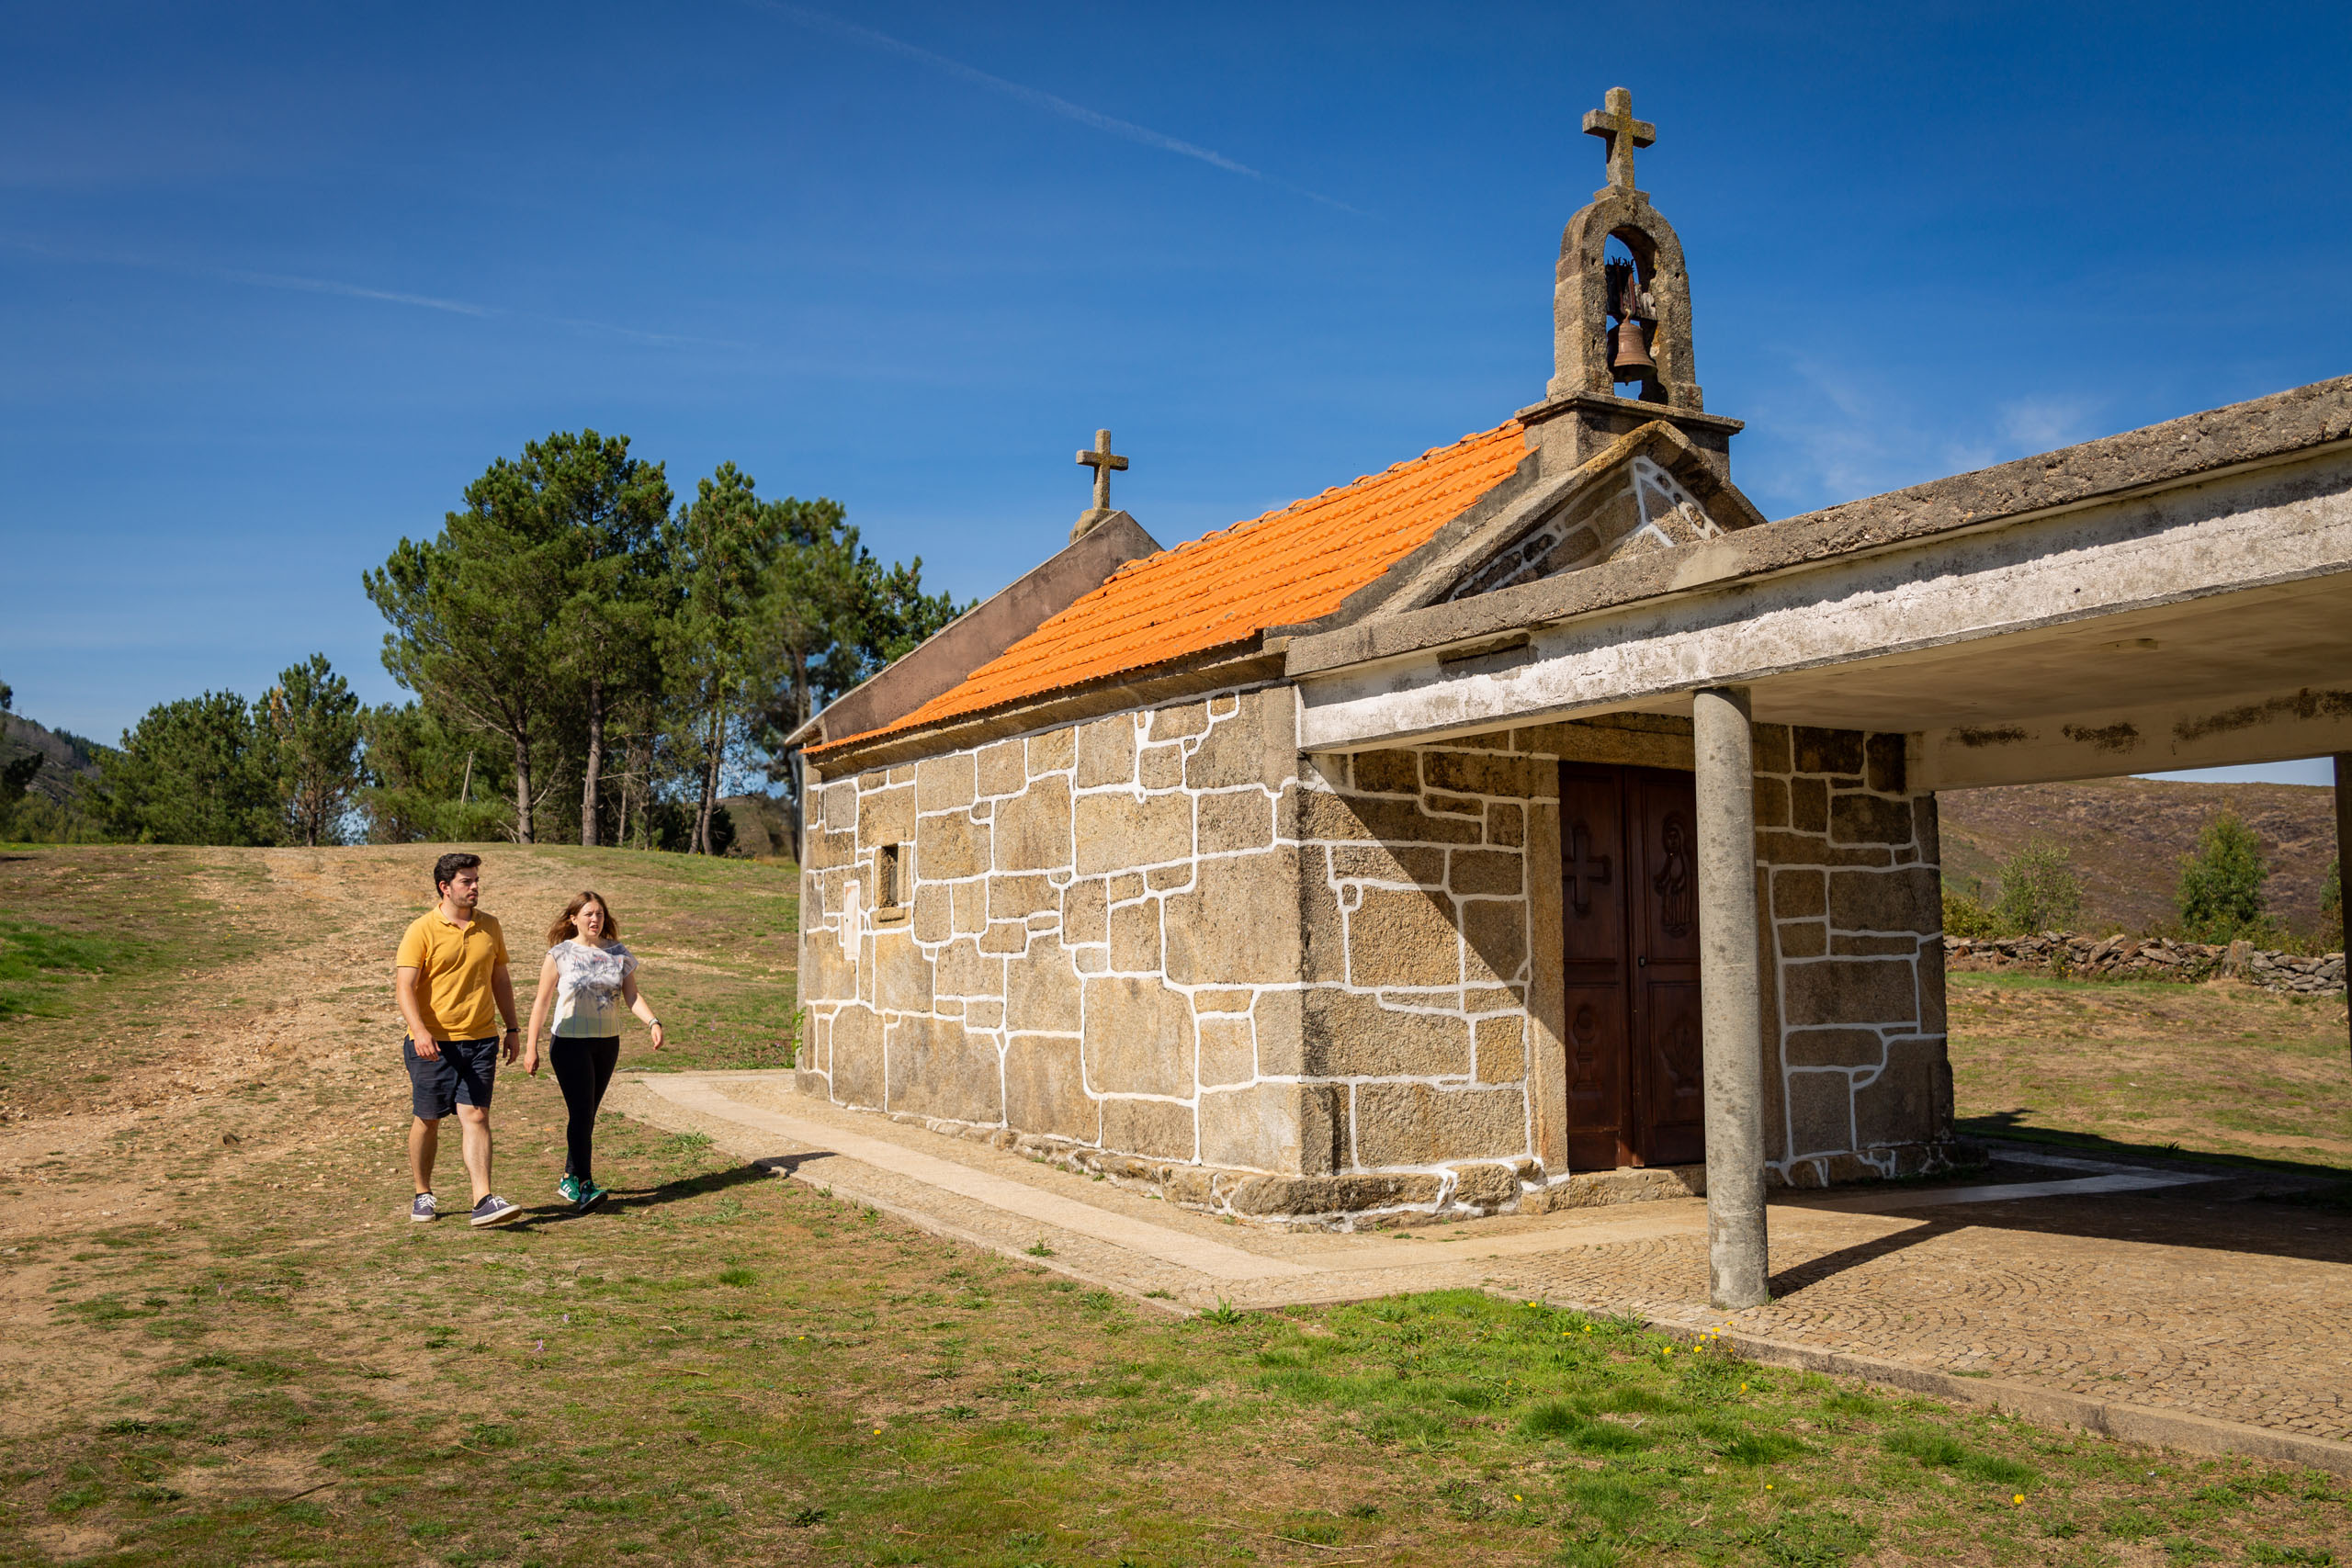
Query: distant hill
(68, 760)
(2127, 836)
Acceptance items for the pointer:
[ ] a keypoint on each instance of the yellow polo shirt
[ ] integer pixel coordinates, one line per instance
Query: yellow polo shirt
(453, 965)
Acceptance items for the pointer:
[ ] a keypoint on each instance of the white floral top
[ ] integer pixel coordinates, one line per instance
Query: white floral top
(588, 987)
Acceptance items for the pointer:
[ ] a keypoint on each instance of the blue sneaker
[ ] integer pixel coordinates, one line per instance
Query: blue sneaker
(495, 1210)
(591, 1195)
(425, 1208)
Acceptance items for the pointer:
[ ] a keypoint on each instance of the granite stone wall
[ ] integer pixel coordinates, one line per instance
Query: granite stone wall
(1166, 947)
(1851, 873)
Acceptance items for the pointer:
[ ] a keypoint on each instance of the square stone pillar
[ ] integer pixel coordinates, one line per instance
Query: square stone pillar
(1725, 758)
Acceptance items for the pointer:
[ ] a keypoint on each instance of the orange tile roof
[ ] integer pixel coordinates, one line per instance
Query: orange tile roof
(1225, 588)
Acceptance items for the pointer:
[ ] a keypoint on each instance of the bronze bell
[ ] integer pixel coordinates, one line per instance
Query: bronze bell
(1629, 358)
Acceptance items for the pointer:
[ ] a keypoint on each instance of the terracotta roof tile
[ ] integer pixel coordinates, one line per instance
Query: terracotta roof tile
(1225, 588)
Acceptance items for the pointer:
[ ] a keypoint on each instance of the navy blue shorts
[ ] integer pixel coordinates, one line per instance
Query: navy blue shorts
(463, 1075)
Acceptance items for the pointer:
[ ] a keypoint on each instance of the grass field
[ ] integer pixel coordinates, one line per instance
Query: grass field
(2219, 1068)
(239, 1351)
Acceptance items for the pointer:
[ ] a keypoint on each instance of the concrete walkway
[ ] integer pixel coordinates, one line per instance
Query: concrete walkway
(2172, 1305)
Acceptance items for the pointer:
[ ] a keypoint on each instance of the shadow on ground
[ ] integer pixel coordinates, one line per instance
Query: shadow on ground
(2012, 1125)
(2273, 1208)
(550, 1214)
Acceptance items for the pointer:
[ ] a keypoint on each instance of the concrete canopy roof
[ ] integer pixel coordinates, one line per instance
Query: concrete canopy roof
(2169, 597)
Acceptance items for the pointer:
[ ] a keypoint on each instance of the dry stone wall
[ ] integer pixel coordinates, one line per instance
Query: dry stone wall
(2120, 957)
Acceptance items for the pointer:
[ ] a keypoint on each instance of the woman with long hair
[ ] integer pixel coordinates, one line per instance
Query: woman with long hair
(588, 977)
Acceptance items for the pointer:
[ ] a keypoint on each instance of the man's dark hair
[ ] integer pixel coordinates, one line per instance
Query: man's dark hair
(445, 868)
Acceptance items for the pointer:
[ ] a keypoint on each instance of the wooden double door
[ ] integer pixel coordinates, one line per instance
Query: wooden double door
(1629, 905)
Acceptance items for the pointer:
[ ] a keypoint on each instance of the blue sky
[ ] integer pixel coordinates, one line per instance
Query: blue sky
(277, 281)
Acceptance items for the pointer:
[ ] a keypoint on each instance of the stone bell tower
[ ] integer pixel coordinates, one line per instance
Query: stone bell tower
(1623, 325)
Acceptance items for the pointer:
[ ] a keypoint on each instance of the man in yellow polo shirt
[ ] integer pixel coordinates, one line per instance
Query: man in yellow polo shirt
(449, 975)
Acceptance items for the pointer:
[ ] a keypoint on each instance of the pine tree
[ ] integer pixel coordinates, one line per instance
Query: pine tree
(313, 722)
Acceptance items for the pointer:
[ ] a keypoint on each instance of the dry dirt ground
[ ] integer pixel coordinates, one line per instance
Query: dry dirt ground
(2215, 1068)
(221, 1341)
(271, 1054)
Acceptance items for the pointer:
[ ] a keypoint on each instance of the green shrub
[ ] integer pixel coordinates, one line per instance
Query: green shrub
(1966, 915)
(2039, 890)
(2221, 885)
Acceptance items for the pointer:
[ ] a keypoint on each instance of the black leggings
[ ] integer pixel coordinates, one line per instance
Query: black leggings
(583, 1067)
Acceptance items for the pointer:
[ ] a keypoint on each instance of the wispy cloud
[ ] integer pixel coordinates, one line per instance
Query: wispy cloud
(1859, 433)
(2041, 423)
(1037, 100)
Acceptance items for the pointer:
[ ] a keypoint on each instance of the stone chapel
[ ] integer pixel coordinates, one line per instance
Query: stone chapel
(1532, 823)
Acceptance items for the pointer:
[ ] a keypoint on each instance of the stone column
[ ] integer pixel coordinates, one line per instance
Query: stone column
(1728, 996)
(2343, 825)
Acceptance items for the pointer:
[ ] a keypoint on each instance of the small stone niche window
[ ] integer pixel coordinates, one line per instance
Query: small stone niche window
(888, 883)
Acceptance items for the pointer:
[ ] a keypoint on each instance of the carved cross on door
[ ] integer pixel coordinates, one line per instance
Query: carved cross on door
(1583, 869)
(1617, 126)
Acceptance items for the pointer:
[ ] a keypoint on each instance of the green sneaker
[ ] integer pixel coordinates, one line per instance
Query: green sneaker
(591, 1195)
(569, 1189)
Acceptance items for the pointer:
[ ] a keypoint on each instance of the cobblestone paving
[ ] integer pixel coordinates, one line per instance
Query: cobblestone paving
(2204, 1298)
(2207, 1303)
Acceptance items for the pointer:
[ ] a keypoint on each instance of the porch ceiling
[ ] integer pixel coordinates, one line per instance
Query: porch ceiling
(2211, 652)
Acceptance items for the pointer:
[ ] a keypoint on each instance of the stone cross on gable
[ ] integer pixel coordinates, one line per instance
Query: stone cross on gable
(1617, 126)
(1101, 460)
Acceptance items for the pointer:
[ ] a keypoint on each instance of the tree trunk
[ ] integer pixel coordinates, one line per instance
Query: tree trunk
(595, 762)
(796, 769)
(710, 778)
(628, 775)
(522, 793)
(794, 781)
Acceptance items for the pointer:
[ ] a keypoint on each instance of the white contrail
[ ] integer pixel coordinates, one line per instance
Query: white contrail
(302, 285)
(1035, 98)
(350, 291)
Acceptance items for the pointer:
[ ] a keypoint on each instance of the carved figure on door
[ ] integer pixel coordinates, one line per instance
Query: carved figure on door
(1674, 884)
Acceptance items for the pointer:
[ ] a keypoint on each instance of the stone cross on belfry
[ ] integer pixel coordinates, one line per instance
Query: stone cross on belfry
(1617, 126)
(1101, 460)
